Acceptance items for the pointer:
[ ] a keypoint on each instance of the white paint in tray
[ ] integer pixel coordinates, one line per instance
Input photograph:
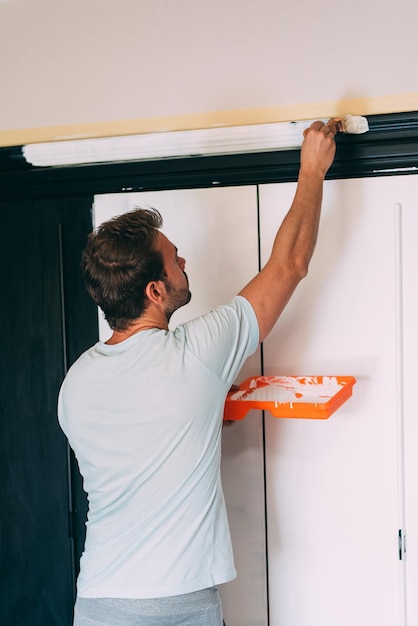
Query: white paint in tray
(290, 389)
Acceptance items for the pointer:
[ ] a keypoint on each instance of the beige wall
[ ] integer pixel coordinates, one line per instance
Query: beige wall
(113, 66)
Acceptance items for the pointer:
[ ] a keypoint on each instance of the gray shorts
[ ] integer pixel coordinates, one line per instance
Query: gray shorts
(200, 608)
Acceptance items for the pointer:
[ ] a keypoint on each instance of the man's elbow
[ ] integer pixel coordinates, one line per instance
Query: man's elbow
(299, 268)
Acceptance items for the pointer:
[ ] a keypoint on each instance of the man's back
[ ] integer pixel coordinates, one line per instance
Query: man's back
(144, 417)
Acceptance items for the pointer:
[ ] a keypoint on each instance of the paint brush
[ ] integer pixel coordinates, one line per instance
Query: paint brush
(352, 125)
(349, 124)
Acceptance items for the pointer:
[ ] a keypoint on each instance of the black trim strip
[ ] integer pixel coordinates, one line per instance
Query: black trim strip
(390, 147)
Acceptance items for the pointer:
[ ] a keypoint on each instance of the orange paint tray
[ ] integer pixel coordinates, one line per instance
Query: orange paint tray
(312, 397)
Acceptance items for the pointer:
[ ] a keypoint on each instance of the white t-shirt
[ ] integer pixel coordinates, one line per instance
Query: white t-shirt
(144, 418)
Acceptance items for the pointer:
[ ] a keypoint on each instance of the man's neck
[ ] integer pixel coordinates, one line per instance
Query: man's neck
(147, 321)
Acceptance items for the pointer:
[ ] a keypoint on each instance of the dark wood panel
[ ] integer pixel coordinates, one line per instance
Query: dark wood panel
(36, 551)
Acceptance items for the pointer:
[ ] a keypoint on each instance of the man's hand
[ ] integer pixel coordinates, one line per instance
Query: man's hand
(229, 423)
(318, 148)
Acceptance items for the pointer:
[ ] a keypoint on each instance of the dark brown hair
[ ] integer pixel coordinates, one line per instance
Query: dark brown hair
(119, 261)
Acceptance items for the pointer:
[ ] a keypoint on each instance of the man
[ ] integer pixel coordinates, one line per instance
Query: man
(143, 411)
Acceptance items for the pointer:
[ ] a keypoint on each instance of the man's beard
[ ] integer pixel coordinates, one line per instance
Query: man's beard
(177, 297)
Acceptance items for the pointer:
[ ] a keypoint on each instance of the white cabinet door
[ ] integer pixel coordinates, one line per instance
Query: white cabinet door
(216, 232)
(333, 487)
(408, 210)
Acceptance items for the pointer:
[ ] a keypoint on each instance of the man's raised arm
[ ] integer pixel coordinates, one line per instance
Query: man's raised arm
(271, 289)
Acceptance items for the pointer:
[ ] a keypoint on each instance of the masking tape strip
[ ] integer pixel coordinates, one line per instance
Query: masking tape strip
(241, 117)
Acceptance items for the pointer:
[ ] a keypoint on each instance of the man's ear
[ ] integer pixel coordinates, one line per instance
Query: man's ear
(155, 291)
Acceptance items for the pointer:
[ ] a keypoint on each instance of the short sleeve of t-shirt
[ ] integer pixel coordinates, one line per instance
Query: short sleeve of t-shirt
(224, 338)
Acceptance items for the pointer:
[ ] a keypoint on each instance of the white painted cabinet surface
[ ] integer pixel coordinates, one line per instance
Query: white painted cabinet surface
(215, 230)
(409, 290)
(334, 487)
(338, 490)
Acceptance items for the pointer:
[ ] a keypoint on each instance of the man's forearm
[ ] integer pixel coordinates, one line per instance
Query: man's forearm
(296, 238)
